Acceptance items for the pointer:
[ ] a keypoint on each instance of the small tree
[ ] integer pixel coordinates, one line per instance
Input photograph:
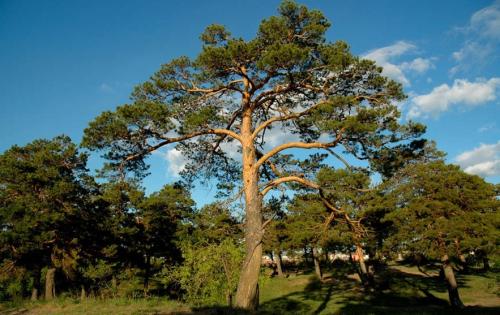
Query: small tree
(344, 192)
(235, 92)
(440, 212)
(160, 219)
(307, 225)
(212, 257)
(277, 234)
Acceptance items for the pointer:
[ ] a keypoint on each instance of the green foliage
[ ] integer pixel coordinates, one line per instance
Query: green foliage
(209, 273)
(43, 205)
(436, 209)
(288, 67)
(212, 258)
(14, 281)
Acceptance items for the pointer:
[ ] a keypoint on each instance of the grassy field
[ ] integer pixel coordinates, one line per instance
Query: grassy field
(399, 290)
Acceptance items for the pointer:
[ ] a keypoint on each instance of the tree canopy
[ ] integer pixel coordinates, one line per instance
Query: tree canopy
(235, 91)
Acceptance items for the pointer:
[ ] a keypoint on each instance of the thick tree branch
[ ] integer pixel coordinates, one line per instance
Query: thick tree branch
(179, 139)
(287, 179)
(299, 145)
(354, 225)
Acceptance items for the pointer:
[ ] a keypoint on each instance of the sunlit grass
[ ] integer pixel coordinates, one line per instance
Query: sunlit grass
(399, 290)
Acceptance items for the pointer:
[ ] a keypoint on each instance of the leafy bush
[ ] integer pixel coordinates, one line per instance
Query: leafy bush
(209, 273)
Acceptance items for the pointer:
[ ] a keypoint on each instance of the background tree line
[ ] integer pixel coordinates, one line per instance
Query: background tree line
(64, 232)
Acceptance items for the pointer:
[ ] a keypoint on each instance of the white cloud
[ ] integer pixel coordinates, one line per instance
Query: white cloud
(382, 57)
(419, 65)
(232, 149)
(385, 57)
(482, 35)
(442, 97)
(483, 160)
(176, 161)
(278, 135)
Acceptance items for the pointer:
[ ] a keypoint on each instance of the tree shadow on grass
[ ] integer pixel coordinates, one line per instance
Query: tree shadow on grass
(399, 292)
(394, 292)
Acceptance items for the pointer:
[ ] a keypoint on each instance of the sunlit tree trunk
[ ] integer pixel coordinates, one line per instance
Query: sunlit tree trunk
(317, 266)
(461, 256)
(247, 295)
(279, 264)
(363, 270)
(451, 282)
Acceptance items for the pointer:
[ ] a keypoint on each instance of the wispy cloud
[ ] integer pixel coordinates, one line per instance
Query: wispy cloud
(486, 22)
(462, 92)
(105, 87)
(487, 127)
(482, 37)
(483, 160)
(387, 57)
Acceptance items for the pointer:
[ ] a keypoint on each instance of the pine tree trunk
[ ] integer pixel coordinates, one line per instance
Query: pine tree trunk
(363, 271)
(279, 264)
(36, 285)
(461, 257)
(247, 294)
(114, 285)
(34, 294)
(451, 283)
(317, 266)
(83, 294)
(50, 285)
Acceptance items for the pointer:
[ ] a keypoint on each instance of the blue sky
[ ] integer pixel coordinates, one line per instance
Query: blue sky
(64, 62)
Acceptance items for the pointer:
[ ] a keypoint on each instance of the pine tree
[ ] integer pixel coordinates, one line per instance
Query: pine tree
(234, 92)
(42, 202)
(440, 212)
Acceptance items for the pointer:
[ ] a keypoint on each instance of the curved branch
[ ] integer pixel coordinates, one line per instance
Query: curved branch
(340, 158)
(300, 145)
(354, 225)
(287, 179)
(182, 138)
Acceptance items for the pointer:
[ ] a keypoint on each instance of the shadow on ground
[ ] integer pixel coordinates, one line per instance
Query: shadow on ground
(394, 292)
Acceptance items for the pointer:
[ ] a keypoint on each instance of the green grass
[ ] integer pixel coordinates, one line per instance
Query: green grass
(117, 306)
(398, 290)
